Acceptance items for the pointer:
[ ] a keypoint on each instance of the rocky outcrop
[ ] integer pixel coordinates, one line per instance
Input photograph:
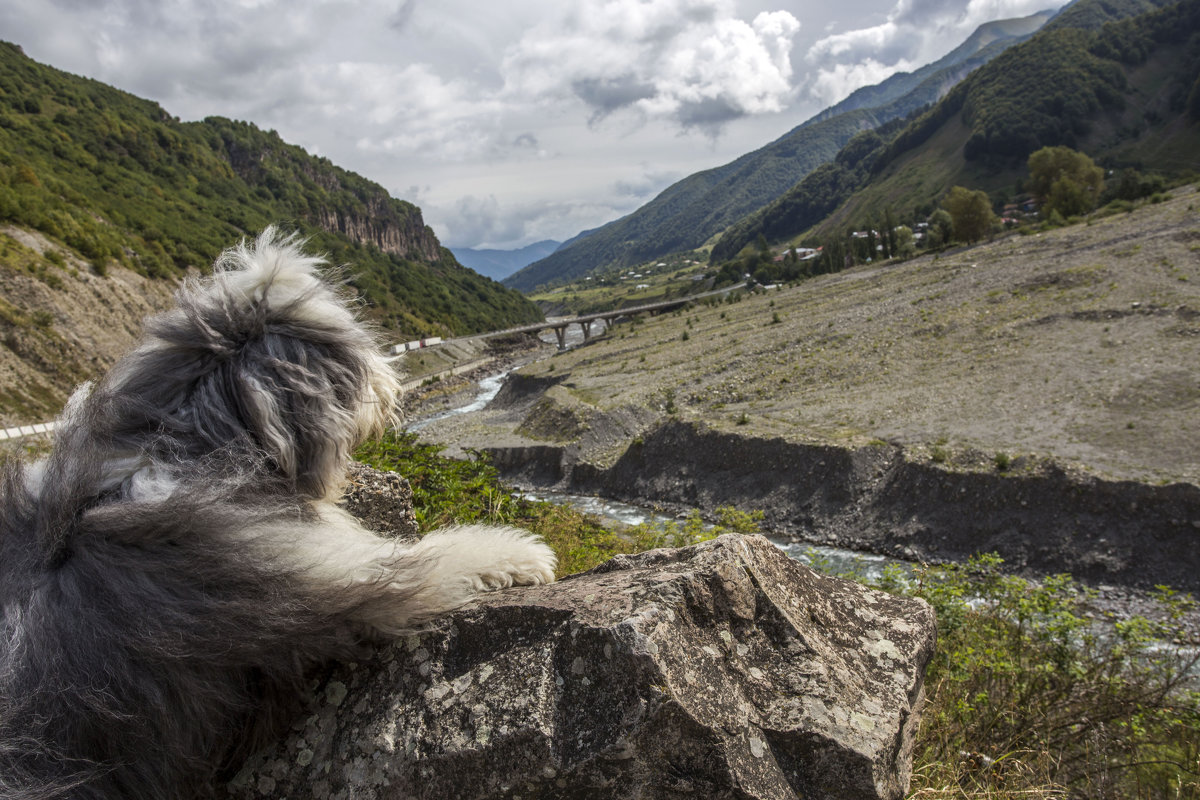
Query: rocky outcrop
(722, 670)
(379, 224)
(360, 210)
(381, 500)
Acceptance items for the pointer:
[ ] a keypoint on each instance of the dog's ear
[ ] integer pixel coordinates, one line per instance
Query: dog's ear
(268, 354)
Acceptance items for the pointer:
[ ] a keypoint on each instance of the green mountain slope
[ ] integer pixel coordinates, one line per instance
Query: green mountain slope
(1118, 93)
(690, 212)
(1092, 14)
(118, 180)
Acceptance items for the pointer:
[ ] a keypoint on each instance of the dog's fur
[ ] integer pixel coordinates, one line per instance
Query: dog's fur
(177, 563)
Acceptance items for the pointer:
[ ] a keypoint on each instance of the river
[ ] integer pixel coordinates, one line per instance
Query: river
(834, 560)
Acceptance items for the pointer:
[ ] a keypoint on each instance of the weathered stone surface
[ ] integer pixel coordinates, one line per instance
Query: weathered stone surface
(723, 670)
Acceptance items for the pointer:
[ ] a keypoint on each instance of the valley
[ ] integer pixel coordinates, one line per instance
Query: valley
(1036, 395)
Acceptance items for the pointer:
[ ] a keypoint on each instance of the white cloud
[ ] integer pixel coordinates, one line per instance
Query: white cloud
(835, 83)
(916, 32)
(484, 222)
(692, 62)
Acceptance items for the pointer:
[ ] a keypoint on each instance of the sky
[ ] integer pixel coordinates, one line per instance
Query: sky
(507, 121)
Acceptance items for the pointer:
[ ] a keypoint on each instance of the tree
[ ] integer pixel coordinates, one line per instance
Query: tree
(1065, 180)
(971, 213)
(889, 227)
(905, 244)
(941, 225)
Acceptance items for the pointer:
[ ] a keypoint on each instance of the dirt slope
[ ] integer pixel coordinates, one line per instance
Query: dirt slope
(60, 323)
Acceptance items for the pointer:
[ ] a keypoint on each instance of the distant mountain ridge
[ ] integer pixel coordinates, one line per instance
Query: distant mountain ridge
(983, 44)
(688, 213)
(499, 264)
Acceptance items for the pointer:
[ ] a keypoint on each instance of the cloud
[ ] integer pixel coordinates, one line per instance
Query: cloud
(691, 62)
(916, 32)
(833, 84)
(646, 185)
(402, 17)
(483, 222)
(194, 50)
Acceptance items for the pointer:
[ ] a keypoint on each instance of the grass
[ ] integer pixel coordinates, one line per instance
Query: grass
(448, 491)
(1027, 695)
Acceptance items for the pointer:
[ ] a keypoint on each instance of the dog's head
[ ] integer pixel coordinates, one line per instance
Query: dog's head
(266, 354)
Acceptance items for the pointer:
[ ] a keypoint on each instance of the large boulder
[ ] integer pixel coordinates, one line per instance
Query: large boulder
(721, 670)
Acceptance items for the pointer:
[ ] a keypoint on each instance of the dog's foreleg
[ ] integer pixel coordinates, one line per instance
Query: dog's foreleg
(453, 565)
(394, 587)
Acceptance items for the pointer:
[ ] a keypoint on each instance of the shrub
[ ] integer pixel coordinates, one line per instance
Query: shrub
(1028, 697)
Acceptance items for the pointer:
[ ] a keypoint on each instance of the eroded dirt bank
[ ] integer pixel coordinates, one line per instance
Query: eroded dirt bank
(1042, 519)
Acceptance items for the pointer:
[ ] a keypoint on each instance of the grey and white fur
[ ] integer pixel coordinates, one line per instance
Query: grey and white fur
(173, 568)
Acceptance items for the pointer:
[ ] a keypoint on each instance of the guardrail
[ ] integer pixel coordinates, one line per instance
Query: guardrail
(22, 431)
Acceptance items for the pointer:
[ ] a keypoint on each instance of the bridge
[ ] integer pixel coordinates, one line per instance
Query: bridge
(584, 321)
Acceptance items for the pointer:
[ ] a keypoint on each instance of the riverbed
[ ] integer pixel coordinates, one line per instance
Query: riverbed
(1109, 599)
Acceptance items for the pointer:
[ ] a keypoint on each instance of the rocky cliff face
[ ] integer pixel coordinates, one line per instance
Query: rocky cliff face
(723, 670)
(374, 217)
(379, 224)
(1041, 517)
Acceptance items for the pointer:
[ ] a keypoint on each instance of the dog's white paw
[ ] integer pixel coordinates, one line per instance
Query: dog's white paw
(516, 558)
(536, 566)
(489, 557)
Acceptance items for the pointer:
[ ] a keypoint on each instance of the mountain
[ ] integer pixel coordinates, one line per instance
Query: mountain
(120, 182)
(1092, 14)
(1126, 94)
(688, 213)
(988, 41)
(1117, 93)
(499, 264)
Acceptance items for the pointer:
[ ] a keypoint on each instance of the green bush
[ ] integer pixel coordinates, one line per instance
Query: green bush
(1029, 696)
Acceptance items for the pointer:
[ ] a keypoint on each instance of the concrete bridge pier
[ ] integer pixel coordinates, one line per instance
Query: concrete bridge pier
(560, 331)
(587, 329)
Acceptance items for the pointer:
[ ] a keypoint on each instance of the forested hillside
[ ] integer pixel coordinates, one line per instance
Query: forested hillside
(121, 182)
(690, 212)
(1123, 93)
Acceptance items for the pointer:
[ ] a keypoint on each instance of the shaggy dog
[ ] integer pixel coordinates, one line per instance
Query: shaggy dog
(177, 563)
